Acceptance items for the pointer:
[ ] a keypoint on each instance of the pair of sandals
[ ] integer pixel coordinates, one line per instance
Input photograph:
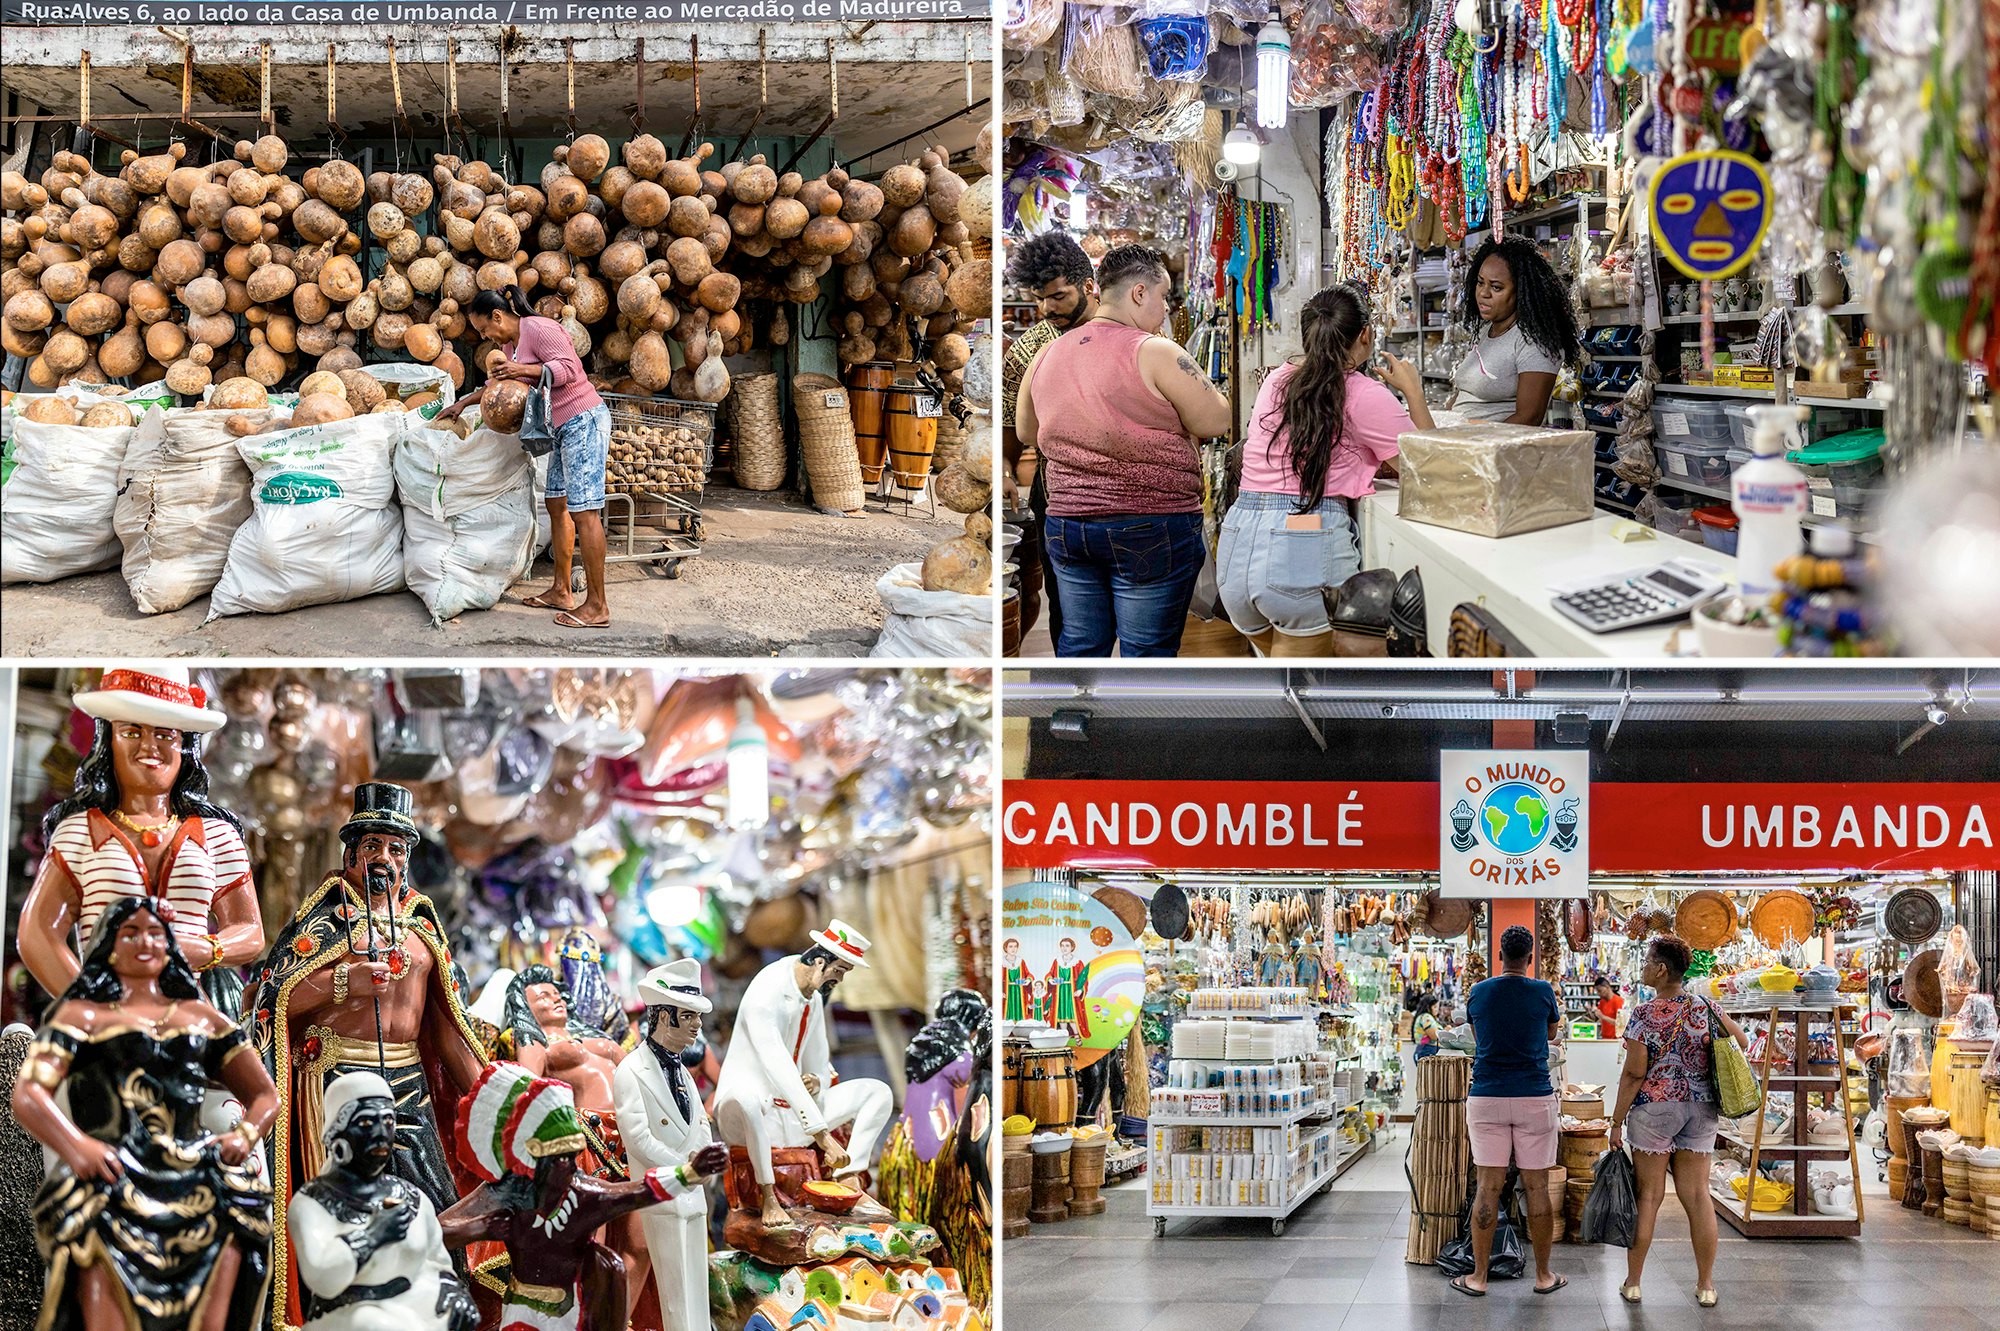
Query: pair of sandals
(1707, 1298)
(1458, 1283)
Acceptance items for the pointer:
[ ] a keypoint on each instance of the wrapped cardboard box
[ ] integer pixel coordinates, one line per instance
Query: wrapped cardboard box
(1493, 479)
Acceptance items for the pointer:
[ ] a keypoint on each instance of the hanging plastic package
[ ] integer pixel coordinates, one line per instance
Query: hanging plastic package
(1103, 55)
(1029, 23)
(1176, 46)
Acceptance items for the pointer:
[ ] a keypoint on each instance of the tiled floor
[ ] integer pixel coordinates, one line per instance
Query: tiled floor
(1340, 1265)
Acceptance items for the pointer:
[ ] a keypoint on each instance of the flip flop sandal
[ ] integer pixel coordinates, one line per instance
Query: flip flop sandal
(1561, 1281)
(570, 621)
(1458, 1283)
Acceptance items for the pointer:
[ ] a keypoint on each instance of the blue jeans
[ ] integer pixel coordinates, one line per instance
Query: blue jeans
(1124, 582)
(576, 467)
(1271, 576)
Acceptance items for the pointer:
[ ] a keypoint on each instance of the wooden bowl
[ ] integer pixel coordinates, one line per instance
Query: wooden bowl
(1913, 916)
(1706, 920)
(1445, 917)
(1782, 916)
(829, 1197)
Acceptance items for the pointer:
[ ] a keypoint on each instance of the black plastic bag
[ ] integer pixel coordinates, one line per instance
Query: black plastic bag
(1611, 1215)
(1506, 1260)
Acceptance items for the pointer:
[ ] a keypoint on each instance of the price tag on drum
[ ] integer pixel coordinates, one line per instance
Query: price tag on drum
(1709, 211)
(927, 406)
(835, 398)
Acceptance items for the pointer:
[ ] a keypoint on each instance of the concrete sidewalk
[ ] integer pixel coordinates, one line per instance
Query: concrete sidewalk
(774, 578)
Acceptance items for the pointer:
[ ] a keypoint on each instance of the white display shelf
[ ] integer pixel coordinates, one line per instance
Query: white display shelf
(1161, 1212)
(1753, 317)
(1799, 399)
(1298, 1115)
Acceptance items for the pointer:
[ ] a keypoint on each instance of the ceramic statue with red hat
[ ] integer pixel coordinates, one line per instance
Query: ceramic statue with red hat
(370, 1251)
(361, 980)
(661, 1118)
(546, 1034)
(777, 1089)
(147, 1220)
(138, 822)
(520, 1133)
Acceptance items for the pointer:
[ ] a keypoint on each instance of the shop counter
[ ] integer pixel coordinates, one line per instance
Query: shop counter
(1510, 576)
(1595, 1063)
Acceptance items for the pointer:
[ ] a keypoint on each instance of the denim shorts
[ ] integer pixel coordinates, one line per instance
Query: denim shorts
(1663, 1126)
(576, 467)
(1271, 576)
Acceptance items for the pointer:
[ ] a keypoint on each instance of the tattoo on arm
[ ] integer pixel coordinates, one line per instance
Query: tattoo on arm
(1188, 367)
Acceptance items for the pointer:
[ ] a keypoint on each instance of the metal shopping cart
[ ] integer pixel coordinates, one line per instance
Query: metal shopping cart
(654, 474)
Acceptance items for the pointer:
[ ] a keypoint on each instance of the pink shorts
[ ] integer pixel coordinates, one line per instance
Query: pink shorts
(1518, 1129)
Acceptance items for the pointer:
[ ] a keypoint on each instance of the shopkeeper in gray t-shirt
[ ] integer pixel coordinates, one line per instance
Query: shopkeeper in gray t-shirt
(1524, 330)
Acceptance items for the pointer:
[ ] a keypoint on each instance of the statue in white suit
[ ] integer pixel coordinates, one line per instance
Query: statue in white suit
(777, 1087)
(663, 1124)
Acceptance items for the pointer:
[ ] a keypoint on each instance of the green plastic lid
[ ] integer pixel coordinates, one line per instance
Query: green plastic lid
(1854, 446)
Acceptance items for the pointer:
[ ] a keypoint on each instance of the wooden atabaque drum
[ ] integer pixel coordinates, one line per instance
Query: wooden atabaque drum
(912, 439)
(1050, 1187)
(1048, 1088)
(867, 386)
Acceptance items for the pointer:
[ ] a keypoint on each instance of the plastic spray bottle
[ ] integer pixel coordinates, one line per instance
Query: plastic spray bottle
(1770, 497)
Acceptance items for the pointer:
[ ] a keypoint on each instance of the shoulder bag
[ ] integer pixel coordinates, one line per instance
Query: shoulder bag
(538, 436)
(1736, 1089)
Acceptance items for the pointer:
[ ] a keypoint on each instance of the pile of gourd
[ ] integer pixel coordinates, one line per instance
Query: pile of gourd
(911, 273)
(965, 563)
(145, 273)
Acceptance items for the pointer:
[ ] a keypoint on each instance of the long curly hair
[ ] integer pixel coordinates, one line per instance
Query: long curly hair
(1541, 304)
(96, 785)
(96, 982)
(518, 1017)
(1313, 413)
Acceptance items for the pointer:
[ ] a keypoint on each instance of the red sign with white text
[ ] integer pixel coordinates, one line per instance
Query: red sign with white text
(1635, 827)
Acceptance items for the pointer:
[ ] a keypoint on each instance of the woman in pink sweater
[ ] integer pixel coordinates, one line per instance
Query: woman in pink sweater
(575, 488)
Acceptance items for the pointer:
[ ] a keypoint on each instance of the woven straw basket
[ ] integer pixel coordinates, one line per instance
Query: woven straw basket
(758, 431)
(950, 439)
(826, 436)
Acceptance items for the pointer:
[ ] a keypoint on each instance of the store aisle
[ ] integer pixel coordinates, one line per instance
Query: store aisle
(1340, 1265)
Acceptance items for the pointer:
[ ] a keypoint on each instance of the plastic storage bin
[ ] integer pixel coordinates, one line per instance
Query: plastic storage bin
(1718, 527)
(1845, 472)
(1673, 515)
(1700, 419)
(1739, 424)
(1698, 462)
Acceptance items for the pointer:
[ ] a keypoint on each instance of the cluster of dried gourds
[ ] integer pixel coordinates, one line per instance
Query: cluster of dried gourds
(144, 273)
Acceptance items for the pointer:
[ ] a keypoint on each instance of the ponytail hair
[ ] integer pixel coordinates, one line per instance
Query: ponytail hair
(509, 298)
(1314, 410)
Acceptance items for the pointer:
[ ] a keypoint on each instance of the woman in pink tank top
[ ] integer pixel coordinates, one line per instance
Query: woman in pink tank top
(1114, 410)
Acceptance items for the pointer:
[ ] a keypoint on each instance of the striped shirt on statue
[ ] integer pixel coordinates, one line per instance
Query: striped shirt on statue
(205, 860)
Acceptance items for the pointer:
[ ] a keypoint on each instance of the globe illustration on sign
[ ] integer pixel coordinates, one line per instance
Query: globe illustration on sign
(1515, 818)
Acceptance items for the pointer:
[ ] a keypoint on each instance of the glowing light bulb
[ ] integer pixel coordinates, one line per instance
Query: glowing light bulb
(1241, 147)
(1274, 73)
(749, 770)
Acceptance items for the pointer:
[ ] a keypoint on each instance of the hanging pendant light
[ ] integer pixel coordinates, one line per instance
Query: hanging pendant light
(1274, 72)
(1242, 146)
(749, 758)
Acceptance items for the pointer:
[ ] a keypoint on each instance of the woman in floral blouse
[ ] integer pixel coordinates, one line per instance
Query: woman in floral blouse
(1667, 1096)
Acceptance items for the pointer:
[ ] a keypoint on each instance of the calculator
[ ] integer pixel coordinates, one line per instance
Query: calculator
(1644, 596)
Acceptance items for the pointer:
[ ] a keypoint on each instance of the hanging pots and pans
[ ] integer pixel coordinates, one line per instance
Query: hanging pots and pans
(1444, 917)
(1169, 911)
(1782, 917)
(1577, 925)
(1922, 989)
(1706, 919)
(1913, 915)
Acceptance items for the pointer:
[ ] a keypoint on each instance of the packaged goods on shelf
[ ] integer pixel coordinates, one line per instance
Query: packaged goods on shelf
(1258, 1002)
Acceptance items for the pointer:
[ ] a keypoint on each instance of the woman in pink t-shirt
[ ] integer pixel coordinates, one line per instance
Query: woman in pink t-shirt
(1317, 435)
